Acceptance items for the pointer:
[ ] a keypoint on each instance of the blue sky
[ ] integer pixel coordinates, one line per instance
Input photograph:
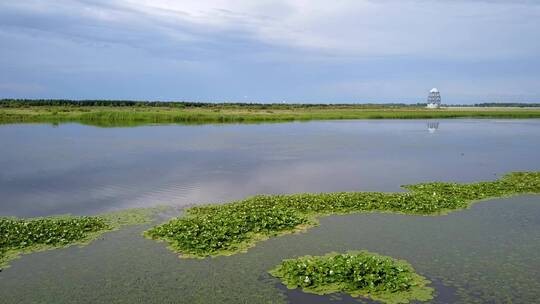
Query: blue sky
(271, 51)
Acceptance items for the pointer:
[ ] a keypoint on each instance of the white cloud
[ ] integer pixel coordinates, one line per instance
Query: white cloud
(353, 28)
(308, 50)
(366, 28)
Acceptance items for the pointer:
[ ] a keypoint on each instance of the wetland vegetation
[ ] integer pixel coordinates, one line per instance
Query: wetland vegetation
(230, 228)
(357, 273)
(131, 113)
(19, 235)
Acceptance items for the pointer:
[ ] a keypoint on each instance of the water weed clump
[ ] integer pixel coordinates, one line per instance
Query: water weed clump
(230, 228)
(23, 235)
(35, 234)
(357, 273)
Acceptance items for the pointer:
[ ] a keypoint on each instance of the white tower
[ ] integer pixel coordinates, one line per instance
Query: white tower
(434, 99)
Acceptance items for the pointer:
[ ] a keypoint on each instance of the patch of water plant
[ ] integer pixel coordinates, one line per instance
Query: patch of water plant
(233, 227)
(19, 235)
(359, 273)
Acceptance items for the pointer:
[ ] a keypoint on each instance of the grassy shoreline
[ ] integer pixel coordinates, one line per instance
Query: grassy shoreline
(141, 115)
(231, 228)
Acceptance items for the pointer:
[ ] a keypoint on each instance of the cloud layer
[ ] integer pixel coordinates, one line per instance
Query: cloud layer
(309, 51)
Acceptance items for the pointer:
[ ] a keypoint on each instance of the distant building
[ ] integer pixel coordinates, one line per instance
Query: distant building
(434, 99)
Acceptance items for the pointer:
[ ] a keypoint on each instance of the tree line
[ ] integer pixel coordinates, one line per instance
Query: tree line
(17, 103)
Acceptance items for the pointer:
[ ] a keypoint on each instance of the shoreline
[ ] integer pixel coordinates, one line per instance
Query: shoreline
(110, 116)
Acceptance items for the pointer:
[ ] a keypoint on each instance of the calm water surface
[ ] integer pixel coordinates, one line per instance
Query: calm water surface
(487, 254)
(85, 170)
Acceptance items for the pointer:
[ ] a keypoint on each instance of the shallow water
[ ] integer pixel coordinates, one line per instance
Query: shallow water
(487, 254)
(85, 170)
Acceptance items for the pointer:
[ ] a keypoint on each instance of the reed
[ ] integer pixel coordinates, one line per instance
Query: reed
(120, 116)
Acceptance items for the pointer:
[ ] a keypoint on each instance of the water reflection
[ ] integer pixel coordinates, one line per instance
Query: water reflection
(433, 126)
(84, 170)
(81, 169)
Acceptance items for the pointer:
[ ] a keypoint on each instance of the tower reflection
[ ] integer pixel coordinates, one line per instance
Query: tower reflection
(432, 126)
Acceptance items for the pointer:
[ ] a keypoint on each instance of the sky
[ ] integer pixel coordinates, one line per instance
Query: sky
(313, 51)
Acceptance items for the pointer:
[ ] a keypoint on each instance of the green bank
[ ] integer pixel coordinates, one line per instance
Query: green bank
(140, 115)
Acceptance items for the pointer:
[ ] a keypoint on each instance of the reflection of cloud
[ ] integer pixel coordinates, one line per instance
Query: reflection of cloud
(90, 173)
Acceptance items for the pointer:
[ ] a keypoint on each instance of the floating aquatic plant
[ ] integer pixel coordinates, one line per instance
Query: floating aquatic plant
(22, 234)
(357, 273)
(27, 235)
(230, 228)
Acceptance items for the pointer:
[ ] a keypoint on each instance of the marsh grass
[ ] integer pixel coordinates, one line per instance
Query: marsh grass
(107, 116)
(358, 273)
(234, 227)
